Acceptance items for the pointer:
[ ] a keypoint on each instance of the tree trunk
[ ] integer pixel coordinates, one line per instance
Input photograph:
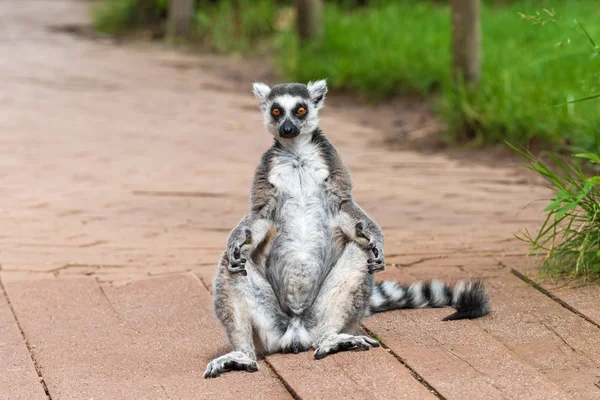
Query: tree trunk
(466, 40)
(308, 19)
(180, 18)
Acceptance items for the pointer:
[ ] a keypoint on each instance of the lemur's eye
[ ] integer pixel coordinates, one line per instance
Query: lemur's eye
(276, 112)
(301, 111)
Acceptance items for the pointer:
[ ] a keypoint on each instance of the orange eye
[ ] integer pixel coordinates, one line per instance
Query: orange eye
(276, 112)
(301, 111)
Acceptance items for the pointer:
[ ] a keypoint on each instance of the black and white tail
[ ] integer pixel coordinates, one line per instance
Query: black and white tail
(468, 298)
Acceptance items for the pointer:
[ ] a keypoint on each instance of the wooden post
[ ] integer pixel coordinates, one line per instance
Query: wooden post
(466, 40)
(180, 18)
(308, 19)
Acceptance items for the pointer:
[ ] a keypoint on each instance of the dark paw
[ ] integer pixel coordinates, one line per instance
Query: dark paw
(376, 263)
(237, 266)
(374, 246)
(237, 260)
(374, 267)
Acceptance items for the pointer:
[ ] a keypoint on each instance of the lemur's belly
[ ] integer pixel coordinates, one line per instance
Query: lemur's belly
(303, 251)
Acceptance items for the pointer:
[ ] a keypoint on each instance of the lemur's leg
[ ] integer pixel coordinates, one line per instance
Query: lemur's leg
(360, 228)
(341, 303)
(246, 306)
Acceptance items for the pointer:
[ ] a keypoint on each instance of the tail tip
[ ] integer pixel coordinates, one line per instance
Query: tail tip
(472, 303)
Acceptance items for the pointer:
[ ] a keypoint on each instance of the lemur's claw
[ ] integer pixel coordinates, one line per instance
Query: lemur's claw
(373, 247)
(376, 263)
(374, 267)
(237, 265)
(238, 270)
(234, 361)
(237, 261)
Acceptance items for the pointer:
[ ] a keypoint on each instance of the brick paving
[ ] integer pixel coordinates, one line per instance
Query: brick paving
(124, 168)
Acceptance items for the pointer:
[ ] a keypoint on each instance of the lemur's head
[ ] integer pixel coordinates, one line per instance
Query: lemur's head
(291, 109)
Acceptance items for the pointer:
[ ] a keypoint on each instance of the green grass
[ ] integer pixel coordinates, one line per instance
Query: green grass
(404, 47)
(570, 235)
(225, 26)
(119, 17)
(243, 26)
(114, 17)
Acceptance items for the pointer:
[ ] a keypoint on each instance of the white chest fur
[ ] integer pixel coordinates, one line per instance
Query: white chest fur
(298, 174)
(299, 170)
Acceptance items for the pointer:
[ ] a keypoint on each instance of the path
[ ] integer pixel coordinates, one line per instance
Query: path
(123, 170)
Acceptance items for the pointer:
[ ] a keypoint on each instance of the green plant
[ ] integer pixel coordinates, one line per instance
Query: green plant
(378, 51)
(114, 17)
(117, 17)
(236, 25)
(571, 232)
(570, 235)
(595, 54)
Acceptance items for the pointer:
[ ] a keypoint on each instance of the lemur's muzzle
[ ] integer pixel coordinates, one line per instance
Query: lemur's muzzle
(288, 130)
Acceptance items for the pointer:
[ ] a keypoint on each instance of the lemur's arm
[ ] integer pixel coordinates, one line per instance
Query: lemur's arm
(353, 221)
(253, 228)
(359, 227)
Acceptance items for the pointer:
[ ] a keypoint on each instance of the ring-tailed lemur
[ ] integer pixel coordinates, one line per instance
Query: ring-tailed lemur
(298, 269)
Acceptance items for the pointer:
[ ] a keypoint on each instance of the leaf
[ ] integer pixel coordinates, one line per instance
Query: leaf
(586, 33)
(595, 96)
(563, 194)
(565, 209)
(595, 158)
(554, 205)
(586, 189)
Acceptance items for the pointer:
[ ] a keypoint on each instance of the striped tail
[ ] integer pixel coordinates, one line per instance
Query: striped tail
(468, 298)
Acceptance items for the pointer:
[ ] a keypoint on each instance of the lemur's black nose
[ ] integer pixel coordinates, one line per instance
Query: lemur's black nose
(288, 130)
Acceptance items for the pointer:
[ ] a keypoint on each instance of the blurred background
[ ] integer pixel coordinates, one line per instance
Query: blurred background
(494, 71)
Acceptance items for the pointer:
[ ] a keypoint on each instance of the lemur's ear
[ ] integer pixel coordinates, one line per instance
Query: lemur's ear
(261, 91)
(317, 90)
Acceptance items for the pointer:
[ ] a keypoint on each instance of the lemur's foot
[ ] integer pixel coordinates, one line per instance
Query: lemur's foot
(376, 261)
(234, 361)
(237, 260)
(341, 342)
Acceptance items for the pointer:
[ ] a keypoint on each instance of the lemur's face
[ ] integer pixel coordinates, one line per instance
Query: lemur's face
(291, 109)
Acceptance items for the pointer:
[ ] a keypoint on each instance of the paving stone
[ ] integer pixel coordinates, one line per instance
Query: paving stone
(81, 347)
(560, 344)
(583, 298)
(580, 295)
(373, 374)
(18, 377)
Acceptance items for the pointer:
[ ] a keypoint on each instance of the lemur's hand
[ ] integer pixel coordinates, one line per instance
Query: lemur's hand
(237, 251)
(372, 241)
